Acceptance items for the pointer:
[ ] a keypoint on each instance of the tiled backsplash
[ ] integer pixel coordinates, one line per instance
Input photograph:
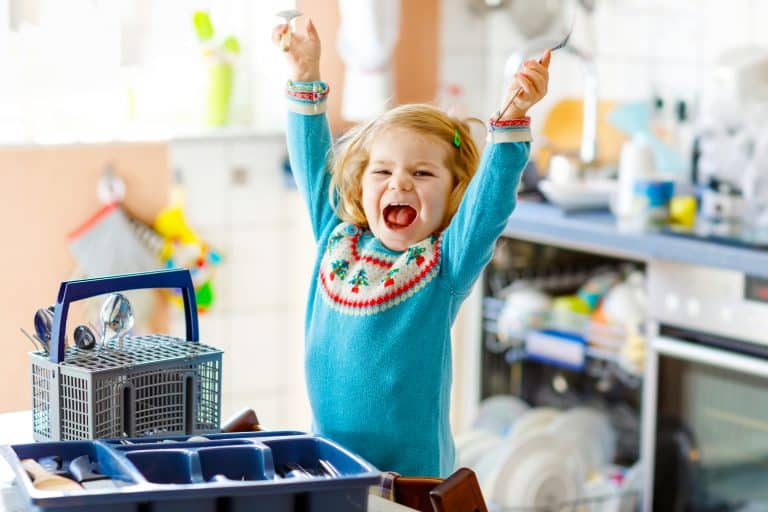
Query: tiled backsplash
(641, 47)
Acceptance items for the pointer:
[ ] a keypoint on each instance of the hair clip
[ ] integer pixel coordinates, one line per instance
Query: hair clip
(456, 138)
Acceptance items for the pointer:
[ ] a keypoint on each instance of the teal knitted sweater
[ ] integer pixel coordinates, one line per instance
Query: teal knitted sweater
(378, 344)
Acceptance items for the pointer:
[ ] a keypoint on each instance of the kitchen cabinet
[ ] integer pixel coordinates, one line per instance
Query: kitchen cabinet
(238, 198)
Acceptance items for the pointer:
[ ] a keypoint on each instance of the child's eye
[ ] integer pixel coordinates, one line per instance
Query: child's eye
(385, 172)
(423, 173)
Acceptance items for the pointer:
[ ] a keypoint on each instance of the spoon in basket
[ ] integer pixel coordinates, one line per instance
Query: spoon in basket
(117, 316)
(44, 324)
(558, 46)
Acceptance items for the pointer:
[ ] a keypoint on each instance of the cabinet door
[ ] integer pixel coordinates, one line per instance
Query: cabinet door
(258, 192)
(200, 166)
(236, 198)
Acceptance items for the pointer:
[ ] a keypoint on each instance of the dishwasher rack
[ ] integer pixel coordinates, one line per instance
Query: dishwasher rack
(505, 369)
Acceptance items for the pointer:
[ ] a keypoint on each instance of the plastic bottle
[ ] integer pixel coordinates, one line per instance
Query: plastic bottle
(635, 162)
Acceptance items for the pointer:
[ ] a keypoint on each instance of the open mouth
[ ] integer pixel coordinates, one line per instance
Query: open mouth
(399, 215)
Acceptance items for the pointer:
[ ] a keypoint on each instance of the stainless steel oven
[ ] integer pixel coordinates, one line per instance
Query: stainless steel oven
(705, 397)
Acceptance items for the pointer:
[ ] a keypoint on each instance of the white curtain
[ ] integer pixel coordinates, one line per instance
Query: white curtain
(367, 37)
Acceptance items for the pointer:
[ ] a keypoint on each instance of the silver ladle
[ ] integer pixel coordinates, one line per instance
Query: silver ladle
(117, 316)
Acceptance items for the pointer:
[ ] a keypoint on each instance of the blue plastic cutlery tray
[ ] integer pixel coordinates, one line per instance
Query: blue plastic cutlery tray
(226, 473)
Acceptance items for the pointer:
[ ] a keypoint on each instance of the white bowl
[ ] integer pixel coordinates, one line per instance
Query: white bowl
(579, 195)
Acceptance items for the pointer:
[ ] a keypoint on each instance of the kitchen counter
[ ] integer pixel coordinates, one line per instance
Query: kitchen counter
(596, 232)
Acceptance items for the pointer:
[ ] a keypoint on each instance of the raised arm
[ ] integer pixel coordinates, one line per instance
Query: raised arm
(492, 194)
(308, 134)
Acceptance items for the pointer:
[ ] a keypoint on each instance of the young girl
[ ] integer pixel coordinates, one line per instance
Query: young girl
(403, 231)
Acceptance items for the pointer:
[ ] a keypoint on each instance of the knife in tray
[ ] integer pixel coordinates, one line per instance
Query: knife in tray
(81, 469)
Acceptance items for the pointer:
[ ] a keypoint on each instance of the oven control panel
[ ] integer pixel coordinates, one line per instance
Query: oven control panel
(709, 300)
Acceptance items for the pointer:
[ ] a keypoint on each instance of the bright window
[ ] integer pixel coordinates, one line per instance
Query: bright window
(80, 70)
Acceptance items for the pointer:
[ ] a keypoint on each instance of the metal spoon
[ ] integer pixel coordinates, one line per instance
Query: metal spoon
(285, 39)
(44, 323)
(116, 315)
(559, 45)
(84, 337)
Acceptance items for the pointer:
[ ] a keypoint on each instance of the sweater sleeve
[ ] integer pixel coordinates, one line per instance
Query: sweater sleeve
(490, 198)
(309, 149)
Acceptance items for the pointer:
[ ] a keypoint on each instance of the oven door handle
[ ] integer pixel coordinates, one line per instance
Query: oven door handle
(710, 356)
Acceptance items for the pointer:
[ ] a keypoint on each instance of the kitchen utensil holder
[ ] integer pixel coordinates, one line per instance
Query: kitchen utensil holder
(235, 472)
(148, 385)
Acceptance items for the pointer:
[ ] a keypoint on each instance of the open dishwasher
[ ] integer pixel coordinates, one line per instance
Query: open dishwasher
(561, 365)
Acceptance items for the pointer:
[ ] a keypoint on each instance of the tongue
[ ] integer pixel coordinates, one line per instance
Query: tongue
(401, 215)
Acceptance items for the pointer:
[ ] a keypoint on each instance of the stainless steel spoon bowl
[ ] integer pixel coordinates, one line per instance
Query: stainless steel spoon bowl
(44, 323)
(84, 337)
(116, 315)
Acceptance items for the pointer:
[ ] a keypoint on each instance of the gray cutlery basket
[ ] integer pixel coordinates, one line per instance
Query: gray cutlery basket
(150, 385)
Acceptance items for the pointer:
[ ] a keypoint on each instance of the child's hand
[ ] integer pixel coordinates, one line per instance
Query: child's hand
(303, 52)
(532, 80)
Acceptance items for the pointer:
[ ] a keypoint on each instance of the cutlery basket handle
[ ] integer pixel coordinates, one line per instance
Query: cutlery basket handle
(72, 291)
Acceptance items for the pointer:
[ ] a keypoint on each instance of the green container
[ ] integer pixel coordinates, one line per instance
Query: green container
(219, 93)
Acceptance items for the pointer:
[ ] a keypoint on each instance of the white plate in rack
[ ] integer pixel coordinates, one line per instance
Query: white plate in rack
(473, 446)
(533, 420)
(589, 431)
(535, 473)
(498, 413)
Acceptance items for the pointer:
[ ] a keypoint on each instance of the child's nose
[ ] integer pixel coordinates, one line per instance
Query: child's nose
(401, 181)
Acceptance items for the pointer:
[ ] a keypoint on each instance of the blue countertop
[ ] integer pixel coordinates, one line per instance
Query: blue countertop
(596, 231)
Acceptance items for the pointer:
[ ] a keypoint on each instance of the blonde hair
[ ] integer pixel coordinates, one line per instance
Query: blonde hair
(354, 153)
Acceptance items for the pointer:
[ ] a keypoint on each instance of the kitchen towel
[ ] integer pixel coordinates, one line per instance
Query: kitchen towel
(107, 244)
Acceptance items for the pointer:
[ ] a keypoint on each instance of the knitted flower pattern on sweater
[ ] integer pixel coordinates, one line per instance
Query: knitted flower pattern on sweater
(357, 281)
